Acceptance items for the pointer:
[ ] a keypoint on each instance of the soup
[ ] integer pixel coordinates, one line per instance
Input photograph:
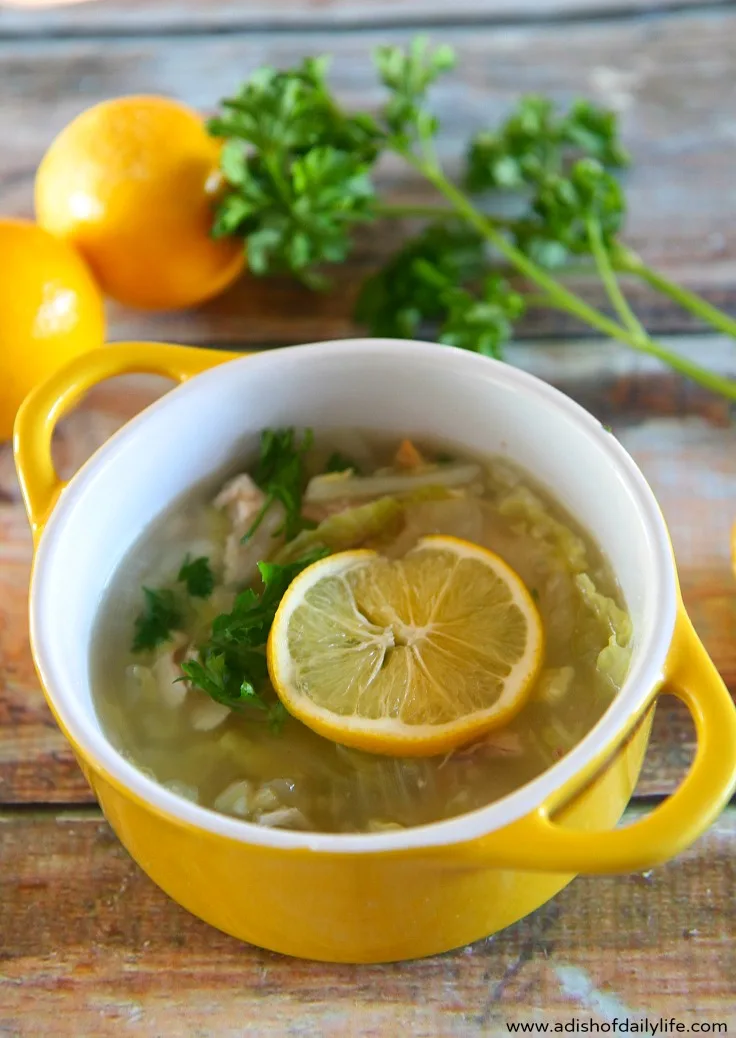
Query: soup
(173, 697)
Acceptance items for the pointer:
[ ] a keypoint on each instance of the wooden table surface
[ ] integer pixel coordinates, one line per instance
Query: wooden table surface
(88, 946)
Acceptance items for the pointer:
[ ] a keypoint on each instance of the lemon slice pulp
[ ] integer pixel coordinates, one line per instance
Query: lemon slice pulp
(413, 656)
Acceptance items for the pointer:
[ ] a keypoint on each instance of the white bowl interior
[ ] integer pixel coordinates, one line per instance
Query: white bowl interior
(395, 387)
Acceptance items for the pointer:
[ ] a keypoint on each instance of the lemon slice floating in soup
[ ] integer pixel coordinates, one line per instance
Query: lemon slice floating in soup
(411, 657)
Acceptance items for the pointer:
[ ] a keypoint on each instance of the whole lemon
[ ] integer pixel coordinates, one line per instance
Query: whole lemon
(51, 310)
(130, 183)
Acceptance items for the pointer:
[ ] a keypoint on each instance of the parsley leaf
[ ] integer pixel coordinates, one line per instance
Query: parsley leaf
(210, 675)
(304, 223)
(291, 111)
(161, 615)
(198, 577)
(404, 293)
(562, 207)
(408, 74)
(594, 132)
(231, 666)
(536, 142)
(424, 283)
(277, 576)
(526, 146)
(338, 462)
(481, 323)
(281, 476)
(296, 170)
(277, 714)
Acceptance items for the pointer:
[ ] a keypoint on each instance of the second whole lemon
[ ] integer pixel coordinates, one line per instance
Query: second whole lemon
(50, 311)
(131, 182)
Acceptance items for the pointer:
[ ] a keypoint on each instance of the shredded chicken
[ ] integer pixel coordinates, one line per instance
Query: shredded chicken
(236, 799)
(495, 744)
(167, 670)
(265, 799)
(207, 714)
(284, 818)
(242, 500)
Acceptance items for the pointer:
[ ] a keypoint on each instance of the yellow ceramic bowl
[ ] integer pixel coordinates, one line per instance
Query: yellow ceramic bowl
(381, 896)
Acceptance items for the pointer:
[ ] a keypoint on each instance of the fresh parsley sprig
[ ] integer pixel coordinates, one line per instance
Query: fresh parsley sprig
(404, 295)
(161, 615)
(297, 173)
(536, 142)
(481, 321)
(589, 192)
(296, 169)
(424, 282)
(281, 476)
(163, 612)
(231, 665)
(339, 462)
(408, 74)
(198, 577)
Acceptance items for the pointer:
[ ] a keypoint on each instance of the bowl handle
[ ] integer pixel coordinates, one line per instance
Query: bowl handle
(537, 841)
(47, 403)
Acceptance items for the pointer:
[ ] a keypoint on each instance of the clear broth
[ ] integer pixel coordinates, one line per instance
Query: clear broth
(298, 779)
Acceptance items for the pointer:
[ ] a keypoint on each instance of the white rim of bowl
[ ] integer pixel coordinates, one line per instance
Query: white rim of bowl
(646, 674)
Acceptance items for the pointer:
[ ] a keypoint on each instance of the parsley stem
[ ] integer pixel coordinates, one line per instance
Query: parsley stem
(630, 262)
(273, 166)
(426, 143)
(609, 279)
(560, 296)
(431, 212)
(709, 379)
(540, 301)
(258, 519)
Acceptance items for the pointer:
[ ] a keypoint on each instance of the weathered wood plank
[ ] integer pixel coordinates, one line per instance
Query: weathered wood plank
(149, 16)
(672, 77)
(681, 438)
(94, 947)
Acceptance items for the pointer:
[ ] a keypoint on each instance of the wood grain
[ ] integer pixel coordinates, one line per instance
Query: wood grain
(88, 946)
(682, 439)
(96, 949)
(141, 17)
(673, 78)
